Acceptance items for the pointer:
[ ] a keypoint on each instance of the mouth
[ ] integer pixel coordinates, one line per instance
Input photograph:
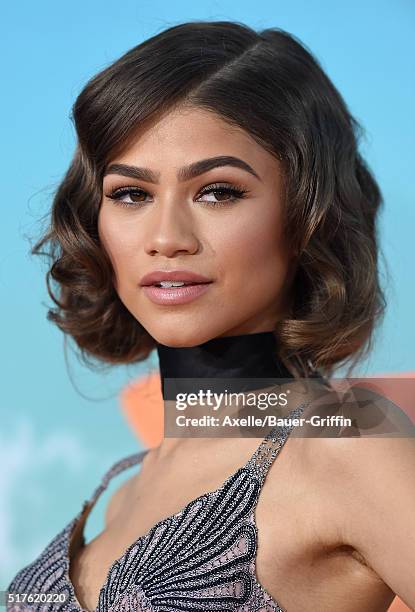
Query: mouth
(175, 292)
(174, 284)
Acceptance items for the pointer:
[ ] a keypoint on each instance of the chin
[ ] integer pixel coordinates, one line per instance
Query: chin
(180, 338)
(186, 334)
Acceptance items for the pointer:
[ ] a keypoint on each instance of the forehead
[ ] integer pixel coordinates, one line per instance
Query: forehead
(187, 134)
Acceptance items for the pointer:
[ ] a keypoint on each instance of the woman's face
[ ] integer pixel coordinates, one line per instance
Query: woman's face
(171, 220)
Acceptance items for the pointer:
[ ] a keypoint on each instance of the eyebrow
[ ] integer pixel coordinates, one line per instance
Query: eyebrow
(183, 174)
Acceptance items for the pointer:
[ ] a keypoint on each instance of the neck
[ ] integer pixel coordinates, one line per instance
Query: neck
(244, 356)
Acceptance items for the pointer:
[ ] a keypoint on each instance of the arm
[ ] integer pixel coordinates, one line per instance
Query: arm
(377, 476)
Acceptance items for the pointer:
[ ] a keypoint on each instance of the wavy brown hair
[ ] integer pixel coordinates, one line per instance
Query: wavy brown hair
(270, 85)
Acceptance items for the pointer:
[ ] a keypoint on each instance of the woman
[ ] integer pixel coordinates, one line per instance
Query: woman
(214, 155)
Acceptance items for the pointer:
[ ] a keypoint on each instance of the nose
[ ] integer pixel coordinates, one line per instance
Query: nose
(171, 230)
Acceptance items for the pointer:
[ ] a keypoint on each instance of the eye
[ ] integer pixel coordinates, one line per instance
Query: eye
(136, 197)
(234, 192)
(134, 194)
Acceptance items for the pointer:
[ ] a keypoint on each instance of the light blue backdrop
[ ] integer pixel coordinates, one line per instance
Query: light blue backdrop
(59, 434)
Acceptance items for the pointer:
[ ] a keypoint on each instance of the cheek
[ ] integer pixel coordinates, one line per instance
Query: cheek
(254, 254)
(119, 243)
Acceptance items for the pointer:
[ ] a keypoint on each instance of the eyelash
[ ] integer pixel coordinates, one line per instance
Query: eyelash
(236, 191)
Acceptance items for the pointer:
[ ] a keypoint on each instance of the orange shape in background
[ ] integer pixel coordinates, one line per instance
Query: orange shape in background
(142, 405)
(143, 408)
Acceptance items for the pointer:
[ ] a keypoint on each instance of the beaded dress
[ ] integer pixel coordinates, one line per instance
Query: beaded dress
(202, 557)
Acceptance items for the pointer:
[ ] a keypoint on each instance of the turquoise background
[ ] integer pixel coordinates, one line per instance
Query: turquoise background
(62, 429)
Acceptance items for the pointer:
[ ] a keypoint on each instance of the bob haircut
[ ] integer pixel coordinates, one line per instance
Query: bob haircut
(270, 85)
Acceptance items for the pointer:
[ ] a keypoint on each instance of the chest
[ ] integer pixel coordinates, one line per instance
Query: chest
(299, 561)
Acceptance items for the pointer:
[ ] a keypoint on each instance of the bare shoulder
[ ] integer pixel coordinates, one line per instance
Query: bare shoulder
(356, 442)
(358, 470)
(368, 432)
(118, 499)
(368, 483)
(357, 465)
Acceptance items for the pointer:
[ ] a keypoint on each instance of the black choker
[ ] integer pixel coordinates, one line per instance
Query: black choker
(247, 356)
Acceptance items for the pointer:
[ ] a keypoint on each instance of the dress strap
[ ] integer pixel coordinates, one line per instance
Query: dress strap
(114, 470)
(268, 450)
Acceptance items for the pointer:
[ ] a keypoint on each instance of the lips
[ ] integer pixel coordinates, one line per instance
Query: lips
(186, 276)
(171, 296)
(183, 284)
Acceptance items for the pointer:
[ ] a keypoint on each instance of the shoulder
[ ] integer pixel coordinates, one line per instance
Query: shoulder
(374, 485)
(369, 482)
(369, 445)
(117, 499)
(358, 470)
(369, 434)
(371, 469)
